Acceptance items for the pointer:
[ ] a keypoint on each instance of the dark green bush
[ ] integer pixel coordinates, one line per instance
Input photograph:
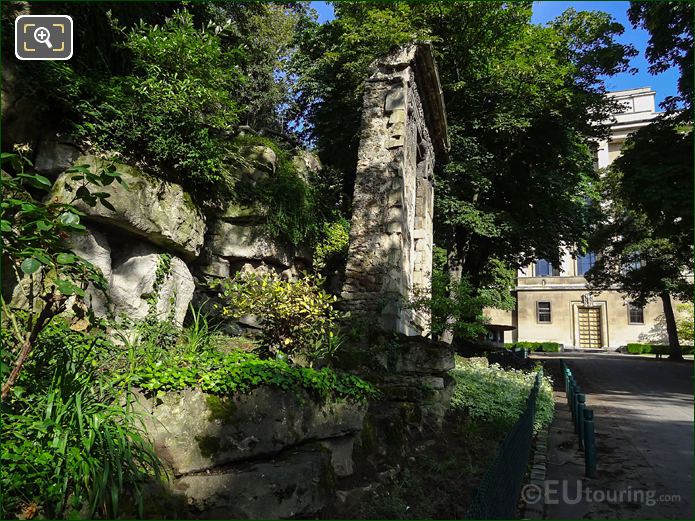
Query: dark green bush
(286, 199)
(172, 108)
(546, 347)
(656, 349)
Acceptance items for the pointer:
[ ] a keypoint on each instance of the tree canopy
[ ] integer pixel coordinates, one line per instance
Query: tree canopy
(645, 235)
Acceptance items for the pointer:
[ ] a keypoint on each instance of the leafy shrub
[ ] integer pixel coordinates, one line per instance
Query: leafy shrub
(495, 395)
(69, 444)
(241, 371)
(637, 349)
(334, 243)
(35, 250)
(684, 322)
(655, 349)
(173, 108)
(287, 200)
(200, 356)
(297, 317)
(546, 347)
(457, 306)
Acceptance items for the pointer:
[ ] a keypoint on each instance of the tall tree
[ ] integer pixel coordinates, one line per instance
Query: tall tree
(670, 27)
(649, 214)
(637, 253)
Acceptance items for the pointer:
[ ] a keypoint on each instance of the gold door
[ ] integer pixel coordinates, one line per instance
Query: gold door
(590, 327)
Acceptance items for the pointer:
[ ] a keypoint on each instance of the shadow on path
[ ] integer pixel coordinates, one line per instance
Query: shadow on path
(643, 411)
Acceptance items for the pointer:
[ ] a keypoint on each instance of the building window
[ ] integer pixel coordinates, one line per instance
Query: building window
(585, 262)
(635, 313)
(543, 312)
(545, 268)
(632, 263)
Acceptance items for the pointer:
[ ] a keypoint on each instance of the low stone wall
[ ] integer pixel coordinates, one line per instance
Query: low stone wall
(270, 453)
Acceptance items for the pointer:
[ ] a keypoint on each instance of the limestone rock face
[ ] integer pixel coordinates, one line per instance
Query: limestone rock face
(247, 242)
(419, 356)
(156, 210)
(193, 431)
(262, 162)
(296, 484)
(134, 284)
(94, 247)
(306, 162)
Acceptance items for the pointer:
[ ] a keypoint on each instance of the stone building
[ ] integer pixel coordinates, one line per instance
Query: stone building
(403, 134)
(553, 303)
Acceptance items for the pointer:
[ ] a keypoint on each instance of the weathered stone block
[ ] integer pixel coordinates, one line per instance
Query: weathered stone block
(305, 163)
(151, 208)
(134, 279)
(418, 355)
(193, 431)
(54, 157)
(216, 267)
(341, 454)
(295, 484)
(247, 242)
(94, 247)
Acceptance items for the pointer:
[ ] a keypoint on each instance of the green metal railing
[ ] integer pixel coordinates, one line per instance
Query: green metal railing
(498, 493)
(582, 418)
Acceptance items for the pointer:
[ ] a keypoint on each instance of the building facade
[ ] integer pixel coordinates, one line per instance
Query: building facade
(553, 303)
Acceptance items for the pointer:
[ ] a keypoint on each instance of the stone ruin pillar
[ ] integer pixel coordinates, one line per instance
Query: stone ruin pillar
(403, 134)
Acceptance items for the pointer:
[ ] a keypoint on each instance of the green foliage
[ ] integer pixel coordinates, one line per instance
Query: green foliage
(172, 109)
(286, 200)
(200, 356)
(492, 394)
(69, 443)
(654, 349)
(670, 27)
(240, 372)
(684, 322)
(297, 317)
(266, 32)
(545, 347)
(457, 306)
(333, 247)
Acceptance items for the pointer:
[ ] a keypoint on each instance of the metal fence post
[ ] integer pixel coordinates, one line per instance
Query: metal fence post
(589, 444)
(575, 391)
(581, 405)
(577, 394)
(566, 376)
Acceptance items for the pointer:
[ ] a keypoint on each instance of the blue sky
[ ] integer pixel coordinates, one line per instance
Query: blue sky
(665, 84)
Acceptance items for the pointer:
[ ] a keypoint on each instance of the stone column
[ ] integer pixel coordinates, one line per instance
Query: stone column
(390, 256)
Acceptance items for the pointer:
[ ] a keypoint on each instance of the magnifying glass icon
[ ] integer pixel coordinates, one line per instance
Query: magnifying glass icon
(43, 35)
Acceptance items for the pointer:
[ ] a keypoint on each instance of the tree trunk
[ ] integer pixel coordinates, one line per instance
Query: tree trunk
(54, 305)
(674, 345)
(454, 269)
